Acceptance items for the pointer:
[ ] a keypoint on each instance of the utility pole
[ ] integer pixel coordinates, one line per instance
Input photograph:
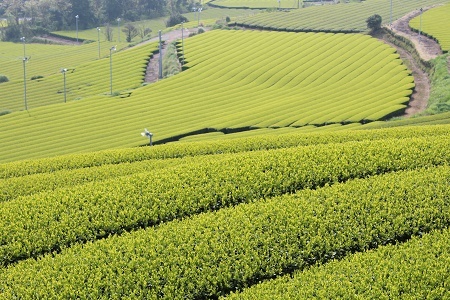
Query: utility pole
(110, 68)
(182, 43)
(118, 29)
(420, 26)
(160, 57)
(24, 61)
(98, 41)
(76, 21)
(391, 14)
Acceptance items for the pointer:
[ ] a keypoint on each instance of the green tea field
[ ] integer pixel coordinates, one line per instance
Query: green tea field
(343, 17)
(285, 161)
(87, 75)
(434, 23)
(258, 4)
(282, 80)
(141, 223)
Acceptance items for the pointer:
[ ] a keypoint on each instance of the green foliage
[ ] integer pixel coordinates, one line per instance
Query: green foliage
(417, 269)
(171, 64)
(12, 33)
(374, 23)
(3, 78)
(443, 118)
(439, 100)
(213, 253)
(434, 24)
(256, 4)
(37, 77)
(86, 161)
(130, 32)
(5, 112)
(343, 17)
(176, 19)
(97, 209)
(310, 85)
(91, 75)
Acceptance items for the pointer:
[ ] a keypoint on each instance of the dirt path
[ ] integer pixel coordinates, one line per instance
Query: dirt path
(151, 75)
(427, 49)
(419, 98)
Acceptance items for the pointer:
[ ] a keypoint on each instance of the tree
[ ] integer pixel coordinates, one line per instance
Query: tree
(82, 9)
(374, 23)
(130, 31)
(52, 14)
(13, 9)
(143, 31)
(175, 19)
(108, 32)
(113, 9)
(153, 8)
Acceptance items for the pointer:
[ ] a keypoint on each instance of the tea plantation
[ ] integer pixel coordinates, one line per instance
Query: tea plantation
(292, 76)
(276, 170)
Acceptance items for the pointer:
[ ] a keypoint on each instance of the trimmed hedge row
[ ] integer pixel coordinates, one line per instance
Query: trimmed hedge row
(49, 221)
(215, 253)
(418, 269)
(100, 158)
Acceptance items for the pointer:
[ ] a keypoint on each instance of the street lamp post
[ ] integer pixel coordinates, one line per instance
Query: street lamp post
(279, 4)
(148, 134)
(110, 68)
(24, 61)
(198, 16)
(76, 22)
(64, 75)
(98, 41)
(182, 43)
(390, 22)
(64, 71)
(160, 73)
(23, 41)
(118, 29)
(420, 26)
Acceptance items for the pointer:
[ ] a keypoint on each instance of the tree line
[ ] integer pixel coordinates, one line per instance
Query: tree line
(26, 17)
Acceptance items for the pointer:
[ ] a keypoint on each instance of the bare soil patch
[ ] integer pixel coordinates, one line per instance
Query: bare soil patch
(427, 49)
(151, 74)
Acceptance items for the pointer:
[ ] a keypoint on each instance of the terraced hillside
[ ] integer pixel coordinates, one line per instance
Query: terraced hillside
(435, 23)
(208, 13)
(287, 79)
(343, 17)
(141, 223)
(87, 75)
(257, 4)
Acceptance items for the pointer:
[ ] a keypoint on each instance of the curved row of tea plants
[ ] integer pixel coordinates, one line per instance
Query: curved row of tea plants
(417, 269)
(52, 220)
(343, 17)
(15, 187)
(83, 79)
(435, 23)
(211, 14)
(288, 74)
(255, 4)
(439, 119)
(214, 253)
(179, 150)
